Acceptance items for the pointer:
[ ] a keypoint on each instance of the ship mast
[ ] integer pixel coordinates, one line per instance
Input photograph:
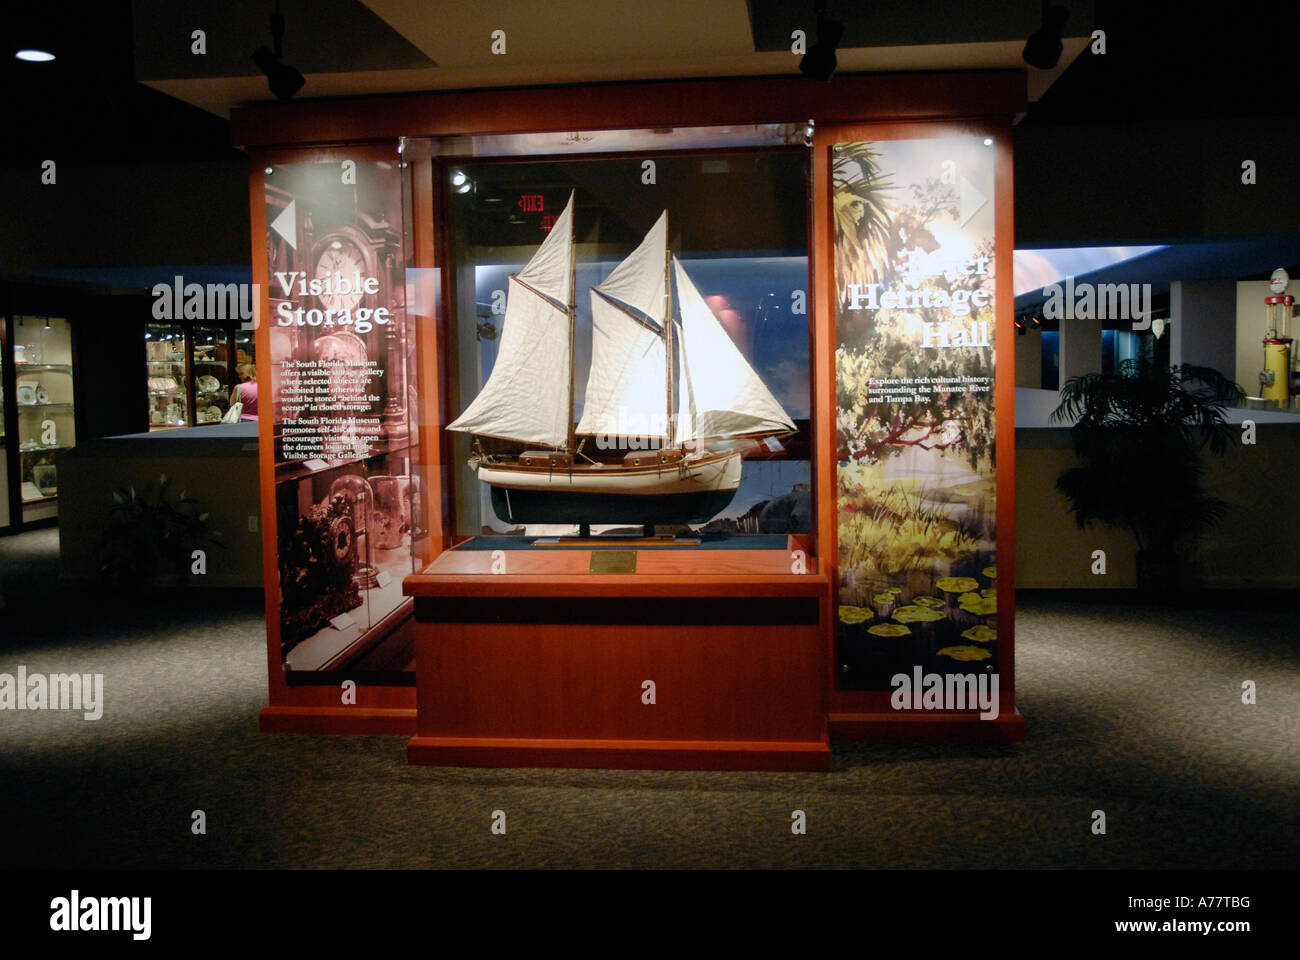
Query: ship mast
(668, 331)
(573, 304)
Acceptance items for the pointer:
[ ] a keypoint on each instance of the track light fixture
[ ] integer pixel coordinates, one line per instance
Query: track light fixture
(283, 79)
(819, 62)
(1043, 49)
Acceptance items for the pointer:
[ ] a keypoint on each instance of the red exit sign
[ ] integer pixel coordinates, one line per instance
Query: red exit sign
(548, 221)
(531, 203)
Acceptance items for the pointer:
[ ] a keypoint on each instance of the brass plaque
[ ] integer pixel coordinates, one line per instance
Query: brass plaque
(613, 561)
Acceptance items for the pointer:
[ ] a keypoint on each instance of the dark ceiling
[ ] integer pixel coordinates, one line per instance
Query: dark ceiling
(1162, 62)
(86, 105)
(321, 36)
(1169, 60)
(1165, 63)
(892, 23)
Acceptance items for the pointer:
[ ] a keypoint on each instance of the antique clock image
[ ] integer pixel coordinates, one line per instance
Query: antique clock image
(346, 251)
(366, 248)
(341, 258)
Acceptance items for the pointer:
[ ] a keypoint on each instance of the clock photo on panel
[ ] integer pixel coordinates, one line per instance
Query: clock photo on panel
(341, 256)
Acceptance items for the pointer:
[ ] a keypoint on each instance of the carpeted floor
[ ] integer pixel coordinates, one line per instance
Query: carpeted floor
(1132, 710)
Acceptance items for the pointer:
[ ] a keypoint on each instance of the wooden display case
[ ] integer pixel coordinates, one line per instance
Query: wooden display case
(544, 662)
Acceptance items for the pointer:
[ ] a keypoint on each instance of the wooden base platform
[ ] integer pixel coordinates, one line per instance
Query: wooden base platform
(620, 754)
(715, 670)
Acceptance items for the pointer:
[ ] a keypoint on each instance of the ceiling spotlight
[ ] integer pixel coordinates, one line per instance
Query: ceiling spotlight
(988, 141)
(1043, 49)
(1020, 326)
(35, 56)
(270, 170)
(283, 79)
(819, 62)
(461, 182)
(1036, 321)
(47, 323)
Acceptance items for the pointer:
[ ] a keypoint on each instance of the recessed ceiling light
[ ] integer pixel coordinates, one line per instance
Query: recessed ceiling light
(35, 56)
(988, 141)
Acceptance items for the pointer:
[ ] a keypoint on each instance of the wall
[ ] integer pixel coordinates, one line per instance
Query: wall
(1029, 359)
(125, 215)
(1249, 548)
(1204, 328)
(1102, 184)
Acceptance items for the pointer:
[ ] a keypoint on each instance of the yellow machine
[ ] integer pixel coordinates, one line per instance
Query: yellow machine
(1275, 378)
(1277, 375)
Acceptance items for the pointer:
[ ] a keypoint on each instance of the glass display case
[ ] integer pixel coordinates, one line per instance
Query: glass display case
(647, 348)
(167, 376)
(192, 370)
(43, 373)
(210, 361)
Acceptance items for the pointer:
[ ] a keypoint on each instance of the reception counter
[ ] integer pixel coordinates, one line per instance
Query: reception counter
(216, 465)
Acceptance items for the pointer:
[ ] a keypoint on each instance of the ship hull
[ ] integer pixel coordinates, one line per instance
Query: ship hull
(693, 493)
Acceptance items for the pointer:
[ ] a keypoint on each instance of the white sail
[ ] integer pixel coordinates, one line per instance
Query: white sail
(721, 395)
(626, 389)
(639, 280)
(526, 398)
(550, 271)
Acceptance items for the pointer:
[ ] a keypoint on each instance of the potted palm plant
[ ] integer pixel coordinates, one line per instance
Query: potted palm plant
(149, 539)
(1138, 433)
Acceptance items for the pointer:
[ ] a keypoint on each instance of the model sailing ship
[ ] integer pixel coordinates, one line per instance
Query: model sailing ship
(659, 358)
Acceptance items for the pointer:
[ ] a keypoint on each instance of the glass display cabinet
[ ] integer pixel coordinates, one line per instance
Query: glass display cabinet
(626, 454)
(167, 376)
(45, 405)
(210, 360)
(688, 354)
(191, 370)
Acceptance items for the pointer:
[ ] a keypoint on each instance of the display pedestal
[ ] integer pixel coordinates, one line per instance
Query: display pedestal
(684, 664)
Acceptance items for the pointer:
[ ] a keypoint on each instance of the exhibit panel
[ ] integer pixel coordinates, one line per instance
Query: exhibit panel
(337, 440)
(918, 226)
